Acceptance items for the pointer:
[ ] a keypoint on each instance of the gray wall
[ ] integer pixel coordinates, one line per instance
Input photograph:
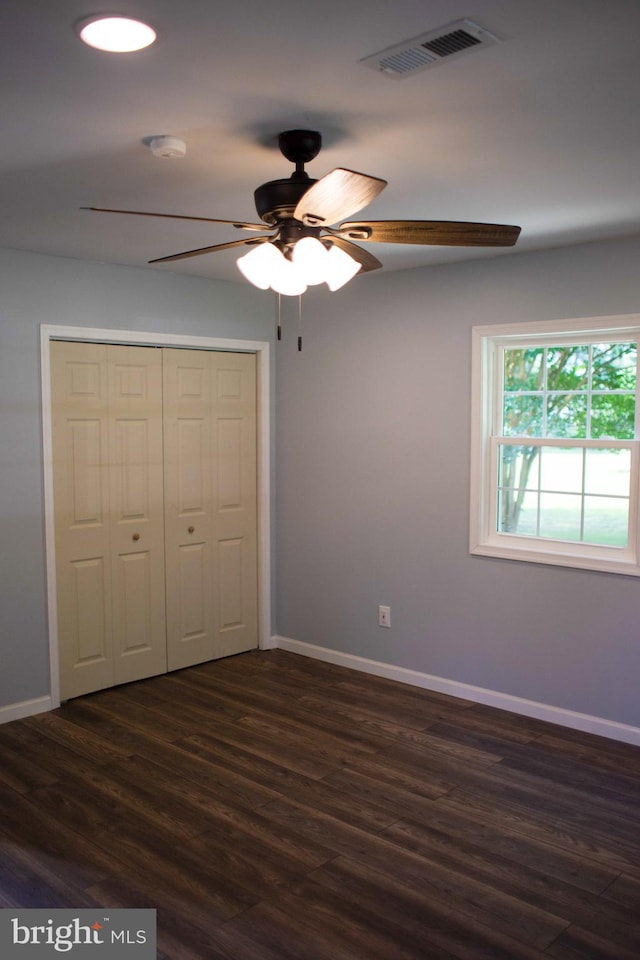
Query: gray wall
(372, 472)
(373, 487)
(36, 289)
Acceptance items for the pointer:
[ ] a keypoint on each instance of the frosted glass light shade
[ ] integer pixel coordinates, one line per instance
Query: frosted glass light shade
(340, 268)
(116, 34)
(259, 264)
(266, 266)
(310, 258)
(287, 279)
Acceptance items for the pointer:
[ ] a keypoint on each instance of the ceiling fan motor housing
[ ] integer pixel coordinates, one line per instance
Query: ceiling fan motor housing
(277, 199)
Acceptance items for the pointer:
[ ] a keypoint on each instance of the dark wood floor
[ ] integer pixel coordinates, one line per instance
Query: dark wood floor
(272, 807)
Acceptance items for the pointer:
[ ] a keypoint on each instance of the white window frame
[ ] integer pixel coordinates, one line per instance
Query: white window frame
(488, 342)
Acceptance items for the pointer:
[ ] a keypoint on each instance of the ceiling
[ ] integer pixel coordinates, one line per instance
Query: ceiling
(541, 130)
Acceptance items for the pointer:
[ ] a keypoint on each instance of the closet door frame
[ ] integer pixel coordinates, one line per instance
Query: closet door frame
(260, 348)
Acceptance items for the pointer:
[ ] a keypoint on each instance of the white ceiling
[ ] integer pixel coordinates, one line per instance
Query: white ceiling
(541, 130)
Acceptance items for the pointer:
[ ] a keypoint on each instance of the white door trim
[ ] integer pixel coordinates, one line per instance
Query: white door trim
(49, 332)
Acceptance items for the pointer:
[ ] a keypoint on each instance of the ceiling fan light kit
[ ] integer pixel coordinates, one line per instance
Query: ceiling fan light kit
(310, 263)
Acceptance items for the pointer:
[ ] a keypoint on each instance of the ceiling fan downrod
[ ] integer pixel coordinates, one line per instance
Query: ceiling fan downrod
(277, 199)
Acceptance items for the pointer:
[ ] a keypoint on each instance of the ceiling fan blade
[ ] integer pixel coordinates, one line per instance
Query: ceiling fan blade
(217, 246)
(366, 260)
(442, 233)
(176, 216)
(337, 195)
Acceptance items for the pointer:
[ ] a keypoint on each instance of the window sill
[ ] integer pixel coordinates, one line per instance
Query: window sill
(558, 558)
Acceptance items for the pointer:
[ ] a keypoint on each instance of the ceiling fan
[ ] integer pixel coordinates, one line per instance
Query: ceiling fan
(305, 241)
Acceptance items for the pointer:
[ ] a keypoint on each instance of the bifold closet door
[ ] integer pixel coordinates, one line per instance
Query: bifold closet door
(109, 524)
(209, 406)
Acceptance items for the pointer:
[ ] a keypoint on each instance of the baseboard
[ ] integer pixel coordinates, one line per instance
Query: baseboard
(491, 698)
(27, 708)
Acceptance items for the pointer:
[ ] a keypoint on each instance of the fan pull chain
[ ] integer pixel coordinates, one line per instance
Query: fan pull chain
(278, 318)
(299, 323)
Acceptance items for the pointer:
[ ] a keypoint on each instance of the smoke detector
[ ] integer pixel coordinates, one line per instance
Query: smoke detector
(168, 148)
(454, 40)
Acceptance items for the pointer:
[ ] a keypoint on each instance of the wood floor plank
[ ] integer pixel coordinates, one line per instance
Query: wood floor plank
(524, 817)
(178, 693)
(33, 881)
(436, 927)
(414, 714)
(347, 714)
(554, 799)
(624, 890)
(51, 844)
(273, 807)
(616, 789)
(475, 899)
(463, 834)
(602, 753)
(577, 944)
(175, 776)
(291, 755)
(526, 882)
(19, 773)
(185, 928)
(341, 924)
(431, 777)
(74, 739)
(169, 866)
(404, 693)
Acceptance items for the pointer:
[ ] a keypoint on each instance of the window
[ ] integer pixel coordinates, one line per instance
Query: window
(554, 454)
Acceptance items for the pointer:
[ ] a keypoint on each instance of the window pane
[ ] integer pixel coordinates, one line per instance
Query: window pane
(560, 515)
(523, 369)
(561, 469)
(614, 366)
(613, 415)
(518, 516)
(567, 368)
(608, 472)
(566, 415)
(518, 467)
(522, 416)
(606, 521)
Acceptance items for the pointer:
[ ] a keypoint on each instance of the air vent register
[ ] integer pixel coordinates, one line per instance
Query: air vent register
(454, 40)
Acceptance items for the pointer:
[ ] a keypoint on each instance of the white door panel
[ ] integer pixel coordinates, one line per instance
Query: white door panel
(81, 483)
(137, 511)
(155, 509)
(210, 471)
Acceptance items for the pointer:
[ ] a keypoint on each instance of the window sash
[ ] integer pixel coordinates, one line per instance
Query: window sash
(588, 392)
(557, 546)
(488, 344)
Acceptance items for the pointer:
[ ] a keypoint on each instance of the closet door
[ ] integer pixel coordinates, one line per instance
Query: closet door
(80, 427)
(188, 485)
(107, 451)
(136, 497)
(210, 504)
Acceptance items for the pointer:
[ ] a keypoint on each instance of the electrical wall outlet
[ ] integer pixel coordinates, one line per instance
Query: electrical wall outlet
(384, 616)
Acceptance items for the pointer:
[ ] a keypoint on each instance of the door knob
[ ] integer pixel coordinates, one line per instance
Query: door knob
(191, 529)
(136, 536)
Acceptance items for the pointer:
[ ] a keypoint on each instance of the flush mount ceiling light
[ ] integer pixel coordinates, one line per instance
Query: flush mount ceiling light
(116, 34)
